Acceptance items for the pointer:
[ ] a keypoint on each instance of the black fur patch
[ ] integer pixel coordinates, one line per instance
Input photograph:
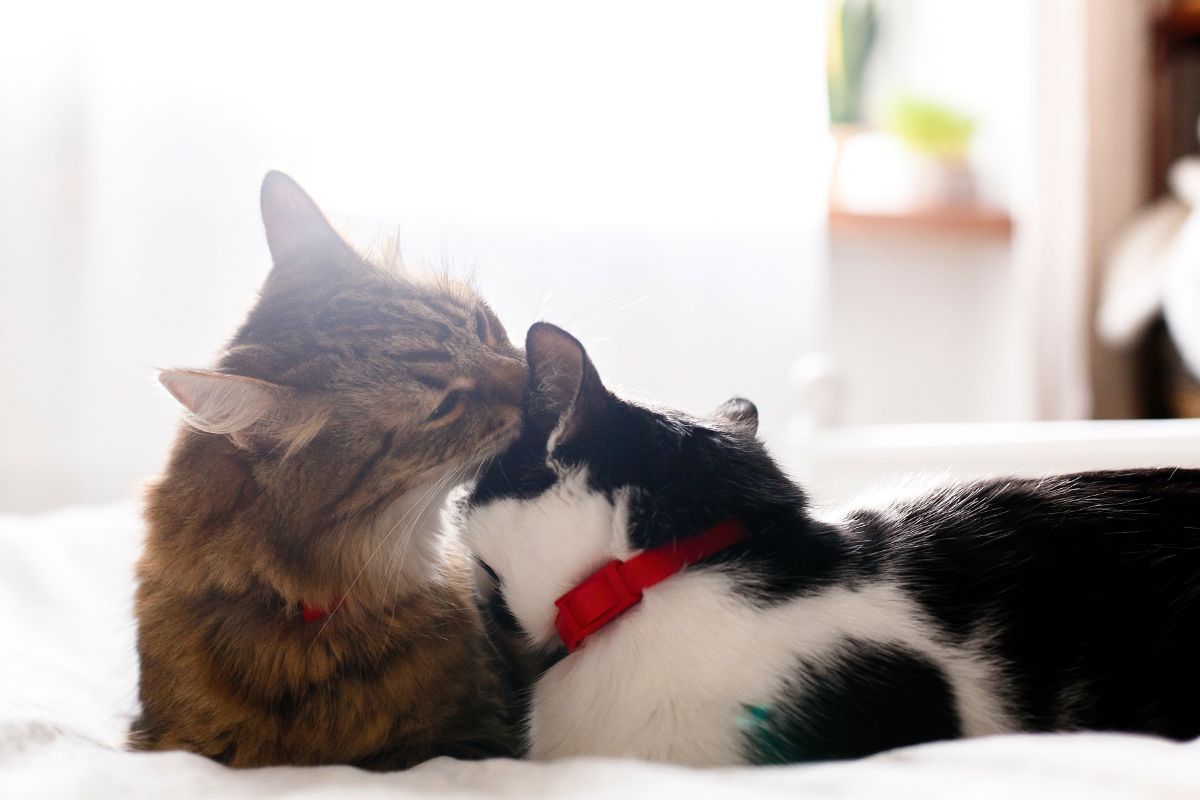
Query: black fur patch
(869, 699)
(519, 473)
(1086, 588)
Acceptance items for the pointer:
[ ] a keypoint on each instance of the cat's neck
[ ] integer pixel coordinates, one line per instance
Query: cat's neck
(402, 549)
(211, 525)
(544, 547)
(370, 563)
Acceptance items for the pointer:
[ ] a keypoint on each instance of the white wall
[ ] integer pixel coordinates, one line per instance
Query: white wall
(648, 173)
(927, 329)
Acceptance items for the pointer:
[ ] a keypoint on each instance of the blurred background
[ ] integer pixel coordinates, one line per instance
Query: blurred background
(888, 221)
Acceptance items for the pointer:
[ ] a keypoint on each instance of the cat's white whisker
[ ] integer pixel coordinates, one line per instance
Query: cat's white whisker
(583, 326)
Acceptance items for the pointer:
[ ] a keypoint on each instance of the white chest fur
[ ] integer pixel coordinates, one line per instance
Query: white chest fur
(671, 680)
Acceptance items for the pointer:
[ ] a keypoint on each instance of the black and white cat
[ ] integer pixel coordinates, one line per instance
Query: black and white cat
(1053, 604)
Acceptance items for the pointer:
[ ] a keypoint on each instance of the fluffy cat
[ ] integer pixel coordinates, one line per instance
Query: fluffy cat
(1054, 604)
(298, 602)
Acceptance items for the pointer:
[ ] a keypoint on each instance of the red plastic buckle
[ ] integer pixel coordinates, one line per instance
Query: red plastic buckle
(600, 598)
(312, 614)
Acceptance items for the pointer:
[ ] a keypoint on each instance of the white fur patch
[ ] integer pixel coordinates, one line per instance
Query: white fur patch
(541, 549)
(670, 679)
(405, 547)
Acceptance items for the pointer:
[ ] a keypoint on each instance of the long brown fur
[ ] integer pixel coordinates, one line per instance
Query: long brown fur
(319, 478)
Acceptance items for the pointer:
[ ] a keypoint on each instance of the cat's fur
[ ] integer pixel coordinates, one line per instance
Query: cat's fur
(1053, 604)
(313, 470)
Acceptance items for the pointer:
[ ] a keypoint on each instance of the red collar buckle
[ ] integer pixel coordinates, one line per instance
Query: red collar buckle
(313, 613)
(598, 600)
(617, 586)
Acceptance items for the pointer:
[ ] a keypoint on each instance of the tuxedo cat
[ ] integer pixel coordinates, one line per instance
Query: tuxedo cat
(695, 609)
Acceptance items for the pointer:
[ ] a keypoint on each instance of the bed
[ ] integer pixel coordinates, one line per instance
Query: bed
(68, 676)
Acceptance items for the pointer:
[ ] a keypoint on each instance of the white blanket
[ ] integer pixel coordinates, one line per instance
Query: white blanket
(68, 676)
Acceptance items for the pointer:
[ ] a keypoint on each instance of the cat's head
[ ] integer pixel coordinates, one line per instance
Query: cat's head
(351, 383)
(593, 477)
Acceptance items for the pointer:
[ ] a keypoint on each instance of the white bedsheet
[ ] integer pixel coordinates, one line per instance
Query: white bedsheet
(68, 687)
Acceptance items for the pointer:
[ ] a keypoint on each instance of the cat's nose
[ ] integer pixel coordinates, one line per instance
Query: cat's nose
(504, 381)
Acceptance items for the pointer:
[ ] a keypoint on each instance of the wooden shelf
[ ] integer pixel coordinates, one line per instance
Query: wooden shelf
(979, 221)
(1180, 25)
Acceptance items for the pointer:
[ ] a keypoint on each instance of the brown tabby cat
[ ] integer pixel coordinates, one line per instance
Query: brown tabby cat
(298, 600)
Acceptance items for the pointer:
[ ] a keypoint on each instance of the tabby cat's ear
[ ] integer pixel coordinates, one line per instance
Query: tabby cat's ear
(239, 406)
(296, 228)
(565, 390)
(740, 412)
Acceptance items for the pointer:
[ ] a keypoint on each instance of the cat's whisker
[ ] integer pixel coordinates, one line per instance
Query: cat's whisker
(451, 479)
(436, 494)
(421, 506)
(582, 326)
(367, 563)
(541, 309)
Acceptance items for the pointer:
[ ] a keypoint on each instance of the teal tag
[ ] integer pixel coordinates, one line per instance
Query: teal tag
(762, 734)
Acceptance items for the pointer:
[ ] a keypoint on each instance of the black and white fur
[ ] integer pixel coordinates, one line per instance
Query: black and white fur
(1053, 604)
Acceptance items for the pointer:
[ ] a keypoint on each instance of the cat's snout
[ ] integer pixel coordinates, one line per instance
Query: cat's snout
(504, 381)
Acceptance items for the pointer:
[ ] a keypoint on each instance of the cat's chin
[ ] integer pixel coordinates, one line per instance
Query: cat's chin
(505, 438)
(404, 547)
(489, 451)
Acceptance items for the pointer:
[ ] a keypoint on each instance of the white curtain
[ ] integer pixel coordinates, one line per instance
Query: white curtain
(649, 174)
(1088, 177)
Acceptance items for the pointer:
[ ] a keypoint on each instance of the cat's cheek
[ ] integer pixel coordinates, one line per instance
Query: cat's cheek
(497, 535)
(482, 533)
(505, 428)
(551, 542)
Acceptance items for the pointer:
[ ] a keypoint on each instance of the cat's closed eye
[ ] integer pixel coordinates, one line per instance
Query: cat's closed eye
(453, 401)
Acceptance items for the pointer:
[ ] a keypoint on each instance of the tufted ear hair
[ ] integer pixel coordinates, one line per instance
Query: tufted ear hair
(298, 234)
(565, 391)
(238, 406)
(740, 412)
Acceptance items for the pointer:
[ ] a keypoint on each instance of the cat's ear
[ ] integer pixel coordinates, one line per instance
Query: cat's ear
(565, 390)
(740, 412)
(238, 406)
(221, 403)
(296, 228)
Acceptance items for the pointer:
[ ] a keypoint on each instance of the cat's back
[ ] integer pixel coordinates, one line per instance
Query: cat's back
(1085, 587)
(1113, 528)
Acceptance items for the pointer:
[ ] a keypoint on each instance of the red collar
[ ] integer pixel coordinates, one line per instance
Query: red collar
(314, 613)
(617, 586)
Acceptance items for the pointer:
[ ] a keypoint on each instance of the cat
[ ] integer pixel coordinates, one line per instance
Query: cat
(298, 601)
(766, 633)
